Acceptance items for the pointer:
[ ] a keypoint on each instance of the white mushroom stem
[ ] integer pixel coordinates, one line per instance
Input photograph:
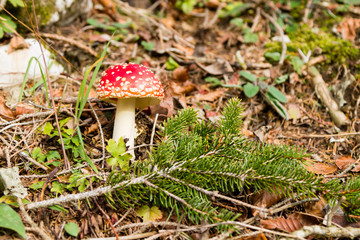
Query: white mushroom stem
(124, 125)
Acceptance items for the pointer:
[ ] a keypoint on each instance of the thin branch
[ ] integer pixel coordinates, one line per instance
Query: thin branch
(66, 161)
(101, 131)
(35, 228)
(282, 36)
(79, 196)
(328, 232)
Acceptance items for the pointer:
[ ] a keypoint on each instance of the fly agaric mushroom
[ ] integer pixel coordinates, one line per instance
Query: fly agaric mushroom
(130, 85)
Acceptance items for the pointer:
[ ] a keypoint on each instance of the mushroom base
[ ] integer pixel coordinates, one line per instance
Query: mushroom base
(124, 125)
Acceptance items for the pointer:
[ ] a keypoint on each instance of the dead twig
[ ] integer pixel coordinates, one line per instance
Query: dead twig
(282, 36)
(100, 130)
(66, 161)
(328, 232)
(35, 228)
(324, 95)
(70, 41)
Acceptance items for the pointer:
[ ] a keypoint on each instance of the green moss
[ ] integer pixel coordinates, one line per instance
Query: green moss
(335, 49)
(44, 11)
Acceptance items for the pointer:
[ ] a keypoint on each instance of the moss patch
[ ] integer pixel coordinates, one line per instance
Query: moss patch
(336, 50)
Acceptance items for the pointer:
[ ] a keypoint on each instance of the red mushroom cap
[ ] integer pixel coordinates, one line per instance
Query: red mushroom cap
(130, 80)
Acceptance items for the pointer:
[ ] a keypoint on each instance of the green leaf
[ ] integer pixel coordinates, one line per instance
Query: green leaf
(149, 214)
(351, 2)
(234, 9)
(123, 161)
(57, 187)
(59, 208)
(16, 3)
(6, 24)
(277, 94)
(47, 129)
(112, 162)
(279, 108)
(52, 155)
(37, 155)
(250, 37)
(297, 63)
(12, 200)
(272, 56)
(68, 131)
(248, 76)
(251, 90)
(9, 219)
(237, 22)
(72, 229)
(185, 5)
(98, 24)
(295, 3)
(171, 64)
(116, 149)
(290, 28)
(37, 185)
(281, 79)
(62, 122)
(214, 81)
(149, 46)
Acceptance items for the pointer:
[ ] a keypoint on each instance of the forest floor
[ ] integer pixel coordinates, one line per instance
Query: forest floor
(204, 54)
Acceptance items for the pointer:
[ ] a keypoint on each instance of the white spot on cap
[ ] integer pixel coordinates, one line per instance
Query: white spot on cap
(117, 78)
(132, 77)
(128, 72)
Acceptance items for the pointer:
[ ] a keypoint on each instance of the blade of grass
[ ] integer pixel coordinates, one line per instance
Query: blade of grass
(82, 99)
(43, 77)
(66, 161)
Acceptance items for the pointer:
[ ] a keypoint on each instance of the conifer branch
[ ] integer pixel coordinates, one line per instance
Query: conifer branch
(214, 194)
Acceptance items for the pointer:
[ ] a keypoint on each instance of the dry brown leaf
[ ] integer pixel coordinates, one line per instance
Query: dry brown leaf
(315, 208)
(216, 68)
(23, 108)
(187, 50)
(181, 74)
(342, 221)
(293, 111)
(93, 127)
(247, 133)
(168, 21)
(99, 37)
(58, 93)
(260, 236)
(182, 88)
(17, 42)
(305, 219)
(321, 168)
(5, 112)
(114, 218)
(265, 199)
(344, 161)
(287, 225)
(92, 93)
(211, 96)
(347, 28)
(166, 107)
(234, 79)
